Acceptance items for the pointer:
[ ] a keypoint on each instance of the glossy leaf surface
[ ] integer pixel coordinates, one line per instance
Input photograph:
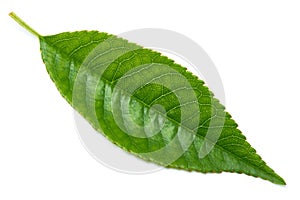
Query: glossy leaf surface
(147, 104)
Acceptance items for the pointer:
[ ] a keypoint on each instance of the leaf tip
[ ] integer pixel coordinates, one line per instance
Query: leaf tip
(281, 182)
(278, 180)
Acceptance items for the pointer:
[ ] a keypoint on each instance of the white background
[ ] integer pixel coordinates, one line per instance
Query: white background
(255, 46)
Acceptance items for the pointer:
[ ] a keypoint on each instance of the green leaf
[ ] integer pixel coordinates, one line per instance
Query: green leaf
(147, 104)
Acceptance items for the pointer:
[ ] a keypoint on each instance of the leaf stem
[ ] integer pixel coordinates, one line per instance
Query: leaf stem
(23, 24)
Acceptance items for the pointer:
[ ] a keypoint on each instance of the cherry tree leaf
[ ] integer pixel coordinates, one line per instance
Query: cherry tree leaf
(147, 104)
